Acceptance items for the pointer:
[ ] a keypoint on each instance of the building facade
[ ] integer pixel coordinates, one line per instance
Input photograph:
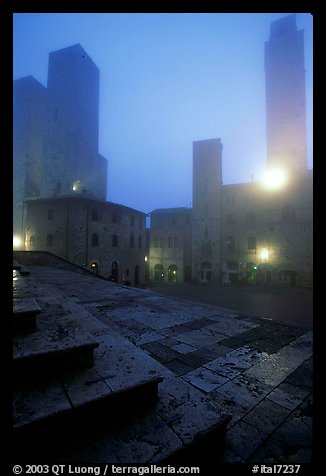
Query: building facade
(170, 245)
(106, 237)
(56, 131)
(249, 233)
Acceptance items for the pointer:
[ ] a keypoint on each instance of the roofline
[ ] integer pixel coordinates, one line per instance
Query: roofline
(85, 197)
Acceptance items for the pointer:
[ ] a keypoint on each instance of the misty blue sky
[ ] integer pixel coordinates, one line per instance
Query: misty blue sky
(167, 80)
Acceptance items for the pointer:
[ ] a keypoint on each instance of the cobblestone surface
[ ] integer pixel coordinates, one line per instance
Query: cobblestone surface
(257, 370)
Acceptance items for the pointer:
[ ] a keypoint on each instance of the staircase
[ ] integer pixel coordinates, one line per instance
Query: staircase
(85, 394)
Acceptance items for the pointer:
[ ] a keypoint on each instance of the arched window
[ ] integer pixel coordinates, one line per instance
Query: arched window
(94, 239)
(251, 242)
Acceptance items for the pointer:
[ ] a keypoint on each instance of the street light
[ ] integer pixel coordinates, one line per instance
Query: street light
(264, 255)
(274, 179)
(17, 242)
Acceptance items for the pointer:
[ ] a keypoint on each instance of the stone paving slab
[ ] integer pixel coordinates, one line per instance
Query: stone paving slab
(262, 393)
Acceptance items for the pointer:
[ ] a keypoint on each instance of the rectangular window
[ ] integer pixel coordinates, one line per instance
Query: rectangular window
(50, 214)
(140, 242)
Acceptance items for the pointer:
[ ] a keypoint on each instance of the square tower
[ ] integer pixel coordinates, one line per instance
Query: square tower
(71, 158)
(28, 124)
(206, 223)
(285, 96)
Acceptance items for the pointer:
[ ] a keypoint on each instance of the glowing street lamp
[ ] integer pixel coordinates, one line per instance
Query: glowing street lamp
(17, 242)
(264, 255)
(274, 179)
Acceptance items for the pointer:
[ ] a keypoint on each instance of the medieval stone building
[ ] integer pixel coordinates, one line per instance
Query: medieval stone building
(56, 132)
(248, 233)
(108, 238)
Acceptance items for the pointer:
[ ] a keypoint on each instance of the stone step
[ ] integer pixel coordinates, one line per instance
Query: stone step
(25, 311)
(58, 342)
(124, 380)
(181, 425)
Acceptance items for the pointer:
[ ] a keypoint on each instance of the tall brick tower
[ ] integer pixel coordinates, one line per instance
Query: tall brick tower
(285, 96)
(207, 186)
(71, 158)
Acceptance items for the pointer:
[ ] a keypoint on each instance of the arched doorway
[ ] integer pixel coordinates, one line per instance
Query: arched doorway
(136, 275)
(159, 272)
(233, 271)
(114, 272)
(172, 273)
(206, 272)
(251, 273)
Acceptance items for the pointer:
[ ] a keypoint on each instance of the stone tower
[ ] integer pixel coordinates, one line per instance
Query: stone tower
(207, 186)
(285, 96)
(71, 158)
(28, 123)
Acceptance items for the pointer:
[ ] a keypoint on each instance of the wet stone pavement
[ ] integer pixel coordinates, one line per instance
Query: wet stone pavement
(257, 370)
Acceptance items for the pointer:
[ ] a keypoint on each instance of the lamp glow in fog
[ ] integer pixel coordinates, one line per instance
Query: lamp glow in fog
(274, 179)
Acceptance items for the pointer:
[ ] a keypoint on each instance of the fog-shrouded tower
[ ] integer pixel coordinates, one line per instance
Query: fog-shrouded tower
(71, 159)
(28, 125)
(285, 96)
(207, 187)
